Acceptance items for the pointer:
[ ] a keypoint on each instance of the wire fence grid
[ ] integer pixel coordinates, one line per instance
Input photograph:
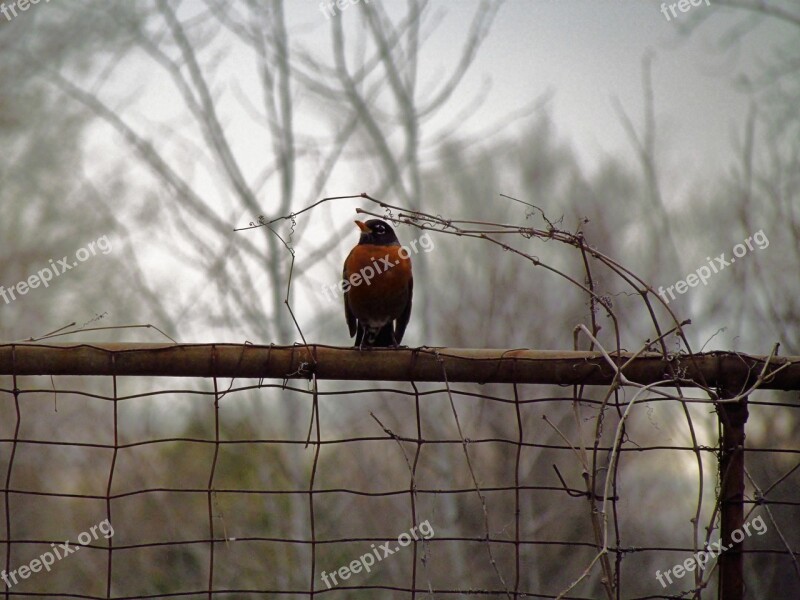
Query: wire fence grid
(441, 490)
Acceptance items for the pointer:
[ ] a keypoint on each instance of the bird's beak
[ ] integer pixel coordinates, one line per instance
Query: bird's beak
(363, 227)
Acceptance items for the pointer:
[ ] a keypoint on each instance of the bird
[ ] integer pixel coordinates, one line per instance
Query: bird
(378, 287)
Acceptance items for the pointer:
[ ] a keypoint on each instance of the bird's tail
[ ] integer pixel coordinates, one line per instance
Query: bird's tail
(385, 337)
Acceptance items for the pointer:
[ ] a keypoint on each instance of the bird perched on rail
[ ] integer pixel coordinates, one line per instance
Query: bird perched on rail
(377, 298)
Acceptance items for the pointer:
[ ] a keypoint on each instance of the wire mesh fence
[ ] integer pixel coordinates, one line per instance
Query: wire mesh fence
(227, 471)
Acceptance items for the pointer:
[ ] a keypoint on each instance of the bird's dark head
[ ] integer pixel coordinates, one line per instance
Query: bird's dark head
(377, 232)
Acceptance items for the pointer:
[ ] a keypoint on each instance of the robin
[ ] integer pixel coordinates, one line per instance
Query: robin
(377, 298)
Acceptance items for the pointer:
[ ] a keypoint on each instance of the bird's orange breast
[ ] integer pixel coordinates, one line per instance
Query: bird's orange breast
(383, 289)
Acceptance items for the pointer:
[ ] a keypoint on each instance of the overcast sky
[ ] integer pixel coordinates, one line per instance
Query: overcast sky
(588, 52)
(585, 52)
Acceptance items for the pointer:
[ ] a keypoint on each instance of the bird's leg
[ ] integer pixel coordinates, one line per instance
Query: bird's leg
(363, 335)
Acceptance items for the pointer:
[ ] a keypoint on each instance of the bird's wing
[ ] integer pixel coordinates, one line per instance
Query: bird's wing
(402, 320)
(348, 314)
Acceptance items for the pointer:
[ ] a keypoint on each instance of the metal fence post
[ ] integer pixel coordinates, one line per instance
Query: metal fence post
(733, 417)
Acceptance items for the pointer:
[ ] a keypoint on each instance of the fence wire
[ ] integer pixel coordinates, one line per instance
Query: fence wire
(412, 490)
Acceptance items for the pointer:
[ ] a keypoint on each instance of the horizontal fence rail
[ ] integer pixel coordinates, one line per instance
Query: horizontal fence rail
(710, 369)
